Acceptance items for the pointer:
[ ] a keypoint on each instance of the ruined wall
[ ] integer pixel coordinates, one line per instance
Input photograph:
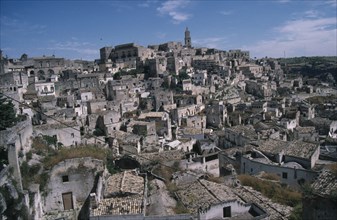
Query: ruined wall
(68, 136)
(197, 121)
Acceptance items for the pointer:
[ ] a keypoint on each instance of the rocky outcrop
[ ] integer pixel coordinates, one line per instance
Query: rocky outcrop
(12, 201)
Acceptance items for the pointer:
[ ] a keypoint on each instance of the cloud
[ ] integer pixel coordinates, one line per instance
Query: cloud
(302, 37)
(173, 8)
(147, 3)
(161, 35)
(283, 1)
(210, 42)
(332, 3)
(83, 49)
(311, 14)
(226, 12)
(120, 6)
(15, 26)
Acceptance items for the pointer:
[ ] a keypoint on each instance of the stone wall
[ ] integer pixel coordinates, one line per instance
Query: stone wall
(68, 136)
(17, 139)
(216, 211)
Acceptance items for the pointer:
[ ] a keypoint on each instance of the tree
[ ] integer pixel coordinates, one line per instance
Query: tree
(183, 75)
(7, 113)
(117, 76)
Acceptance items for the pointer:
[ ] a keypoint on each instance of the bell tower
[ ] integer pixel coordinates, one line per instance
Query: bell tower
(187, 38)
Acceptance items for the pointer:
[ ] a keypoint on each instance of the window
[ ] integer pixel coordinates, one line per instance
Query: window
(227, 212)
(65, 179)
(285, 175)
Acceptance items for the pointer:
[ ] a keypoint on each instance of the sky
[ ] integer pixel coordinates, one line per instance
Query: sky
(77, 29)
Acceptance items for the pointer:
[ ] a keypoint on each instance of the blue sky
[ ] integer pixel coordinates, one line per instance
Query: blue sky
(77, 29)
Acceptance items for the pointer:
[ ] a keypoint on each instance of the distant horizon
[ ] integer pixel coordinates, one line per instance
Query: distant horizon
(78, 29)
(47, 55)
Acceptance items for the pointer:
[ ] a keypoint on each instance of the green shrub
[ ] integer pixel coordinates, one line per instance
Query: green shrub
(98, 132)
(270, 176)
(50, 140)
(296, 214)
(78, 152)
(29, 156)
(112, 168)
(180, 208)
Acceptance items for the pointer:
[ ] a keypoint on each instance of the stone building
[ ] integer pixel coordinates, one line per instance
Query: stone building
(157, 65)
(45, 88)
(162, 98)
(184, 100)
(237, 54)
(188, 42)
(216, 114)
(124, 56)
(185, 111)
(70, 183)
(304, 153)
(163, 123)
(196, 121)
(200, 77)
(289, 173)
(109, 121)
(209, 200)
(239, 135)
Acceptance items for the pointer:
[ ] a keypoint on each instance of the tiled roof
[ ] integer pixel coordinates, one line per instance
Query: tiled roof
(203, 193)
(301, 149)
(325, 184)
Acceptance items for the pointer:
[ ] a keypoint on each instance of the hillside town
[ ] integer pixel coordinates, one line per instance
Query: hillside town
(168, 131)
